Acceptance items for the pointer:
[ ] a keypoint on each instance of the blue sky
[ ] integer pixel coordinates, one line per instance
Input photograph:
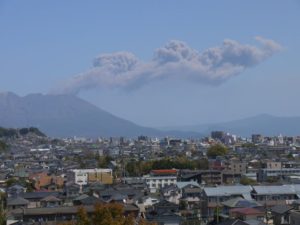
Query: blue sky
(44, 44)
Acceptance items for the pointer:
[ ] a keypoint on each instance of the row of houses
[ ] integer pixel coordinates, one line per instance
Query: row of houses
(204, 203)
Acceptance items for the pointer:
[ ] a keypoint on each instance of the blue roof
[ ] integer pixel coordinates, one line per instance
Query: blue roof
(182, 184)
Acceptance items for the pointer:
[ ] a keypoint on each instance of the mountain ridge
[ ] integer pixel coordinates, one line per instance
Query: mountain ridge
(69, 115)
(265, 124)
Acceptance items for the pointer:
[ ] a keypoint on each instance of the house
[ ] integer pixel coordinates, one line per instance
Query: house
(118, 197)
(164, 213)
(239, 202)
(147, 201)
(294, 217)
(164, 206)
(247, 213)
(96, 187)
(209, 177)
(16, 202)
(16, 190)
(35, 198)
(51, 201)
(213, 196)
(171, 193)
(71, 190)
(229, 177)
(275, 195)
(281, 214)
(191, 194)
(40, 179)
(87, 200)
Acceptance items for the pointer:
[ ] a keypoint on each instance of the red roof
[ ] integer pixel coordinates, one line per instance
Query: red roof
(247, 211)
(164, 171)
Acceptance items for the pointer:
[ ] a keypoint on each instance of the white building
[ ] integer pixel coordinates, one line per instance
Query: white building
(154, 183)
(83, 176)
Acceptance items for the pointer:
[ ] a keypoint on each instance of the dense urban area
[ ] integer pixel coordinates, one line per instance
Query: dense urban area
(220, 179)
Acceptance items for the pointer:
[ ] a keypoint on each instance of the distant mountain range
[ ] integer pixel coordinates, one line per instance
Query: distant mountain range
(261, 124)
(68, 116)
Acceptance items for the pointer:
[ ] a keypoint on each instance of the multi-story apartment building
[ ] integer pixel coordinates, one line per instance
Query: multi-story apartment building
(236, 166)
(272, 165)
(275, 195)
(85, 176)
(264, 174)
(208, 177)
(158, 179)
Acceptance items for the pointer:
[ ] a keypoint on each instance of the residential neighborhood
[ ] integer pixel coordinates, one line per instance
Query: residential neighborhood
(163, 181)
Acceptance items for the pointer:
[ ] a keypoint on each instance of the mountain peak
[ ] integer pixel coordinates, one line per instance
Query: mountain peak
(64, 116)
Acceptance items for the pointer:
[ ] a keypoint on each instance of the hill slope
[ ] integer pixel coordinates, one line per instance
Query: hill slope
(67, 116)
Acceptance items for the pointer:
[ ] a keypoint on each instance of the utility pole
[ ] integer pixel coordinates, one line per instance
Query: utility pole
(217, 209)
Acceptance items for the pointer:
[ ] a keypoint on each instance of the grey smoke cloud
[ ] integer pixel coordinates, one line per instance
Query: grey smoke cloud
(174, 60)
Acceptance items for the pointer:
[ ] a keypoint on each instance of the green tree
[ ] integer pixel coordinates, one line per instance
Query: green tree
(2, 216)
(217, 150)
(103, 161)
(82, 217)
(11, 181)
(29, 185)
(138, 168)
(102, 216)
(249, 145)
(106, 214)
(247, 181)
(144, 222)
(2, 212)
(3, 146)
(8, 132)
(67, 223)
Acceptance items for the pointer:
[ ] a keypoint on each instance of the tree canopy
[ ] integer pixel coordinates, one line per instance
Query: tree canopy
(105, 214)
(138, 168)
(217, 150)
(10, 132)
(247, 181)
(3, 146)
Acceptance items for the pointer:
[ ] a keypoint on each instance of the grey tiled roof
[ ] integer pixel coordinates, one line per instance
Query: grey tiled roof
(281, 209)
(228, 190)
(38, 195)
(240, 203)
(17, 201)
(270, 190)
